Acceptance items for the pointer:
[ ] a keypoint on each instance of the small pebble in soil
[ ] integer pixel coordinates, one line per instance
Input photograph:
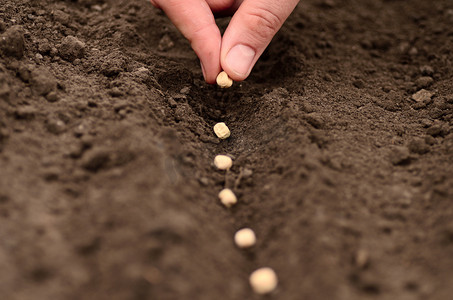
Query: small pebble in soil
(223, 162)
(422, 96)
(12, 42)
(72, 48)
(245, 238)
(227, 197)
(223, 80)
(221, 130)
(362, 259)
(55, 125)
(263, 280)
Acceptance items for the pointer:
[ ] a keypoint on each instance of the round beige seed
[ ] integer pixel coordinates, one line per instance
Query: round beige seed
(223, 162)
(222, 131)
(223, 80)
(227, 197)
(263, 280)
(245, 238)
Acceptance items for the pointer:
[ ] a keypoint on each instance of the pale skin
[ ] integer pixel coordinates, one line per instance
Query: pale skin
(252, 27)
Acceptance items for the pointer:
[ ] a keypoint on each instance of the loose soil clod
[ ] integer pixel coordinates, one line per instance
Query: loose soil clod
(43, 81)
(12, 42)
(72, 48)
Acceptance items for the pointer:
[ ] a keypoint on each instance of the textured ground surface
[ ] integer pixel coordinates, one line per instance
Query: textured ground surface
(107, 188)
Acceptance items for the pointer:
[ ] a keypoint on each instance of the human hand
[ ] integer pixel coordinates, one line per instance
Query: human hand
(251, 29)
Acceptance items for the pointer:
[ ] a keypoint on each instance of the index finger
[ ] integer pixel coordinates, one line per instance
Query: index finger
(196, 22)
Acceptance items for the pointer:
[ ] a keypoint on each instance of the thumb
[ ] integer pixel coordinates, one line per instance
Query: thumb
(249, 33)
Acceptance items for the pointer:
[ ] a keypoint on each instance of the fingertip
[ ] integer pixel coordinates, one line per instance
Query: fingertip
(208, 51)
(210, 74)
(196, 22)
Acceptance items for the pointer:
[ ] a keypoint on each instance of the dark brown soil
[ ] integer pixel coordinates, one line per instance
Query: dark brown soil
(107, 186)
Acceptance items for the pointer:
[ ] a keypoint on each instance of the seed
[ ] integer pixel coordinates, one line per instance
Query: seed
(227, 197)
(245, 238)
(263, 280)
(223, 80)
(222, 131)
(223, 162)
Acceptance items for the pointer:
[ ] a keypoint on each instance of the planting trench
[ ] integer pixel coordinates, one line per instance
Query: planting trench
(107, 186)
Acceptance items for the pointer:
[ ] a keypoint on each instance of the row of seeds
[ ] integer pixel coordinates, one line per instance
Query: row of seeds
(263, 280)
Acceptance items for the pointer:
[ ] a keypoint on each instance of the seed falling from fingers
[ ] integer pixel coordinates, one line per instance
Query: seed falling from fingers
(227, 197)
(222, 131)
(245, 238)
(223, 162)
(263, 280)
(223, 80)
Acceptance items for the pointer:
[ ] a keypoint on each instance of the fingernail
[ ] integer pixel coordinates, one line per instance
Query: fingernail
(240, 59)
(202, 69)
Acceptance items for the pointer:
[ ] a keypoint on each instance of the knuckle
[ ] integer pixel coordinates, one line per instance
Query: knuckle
(200, 33)
(265, 22)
